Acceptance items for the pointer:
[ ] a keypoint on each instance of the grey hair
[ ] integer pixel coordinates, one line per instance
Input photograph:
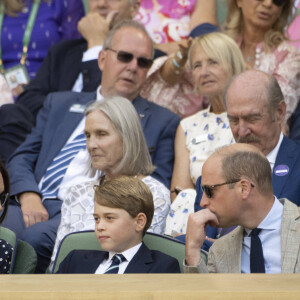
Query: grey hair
(273, 92)
(136, 158)
(126, 23)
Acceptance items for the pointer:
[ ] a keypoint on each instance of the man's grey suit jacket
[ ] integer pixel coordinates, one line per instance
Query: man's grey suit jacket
(225, 254)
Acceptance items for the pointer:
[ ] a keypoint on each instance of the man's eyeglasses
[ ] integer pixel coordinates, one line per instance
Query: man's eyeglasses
(3, 198)
(209, 189)
(126, 57)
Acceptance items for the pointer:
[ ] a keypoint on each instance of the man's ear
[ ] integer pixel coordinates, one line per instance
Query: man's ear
(280, 111)
(101, 59)
(135, 8)
(245, 188)
(141, 221)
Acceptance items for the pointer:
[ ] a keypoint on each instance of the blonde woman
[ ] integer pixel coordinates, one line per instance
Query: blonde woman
(214, 58)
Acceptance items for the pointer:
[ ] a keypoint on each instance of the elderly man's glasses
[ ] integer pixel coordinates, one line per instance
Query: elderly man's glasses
(3, 198)
(209, 189)
(126, 57)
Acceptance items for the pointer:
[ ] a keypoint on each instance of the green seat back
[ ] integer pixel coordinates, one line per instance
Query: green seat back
(26, 259)
(86, 240)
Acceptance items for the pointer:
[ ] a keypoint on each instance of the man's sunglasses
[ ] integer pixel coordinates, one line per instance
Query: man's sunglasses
(279, 2)
(3, 198)
(126, 57)
(209, 189)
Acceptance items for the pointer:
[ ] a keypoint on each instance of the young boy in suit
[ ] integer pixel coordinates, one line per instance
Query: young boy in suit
(123, 212)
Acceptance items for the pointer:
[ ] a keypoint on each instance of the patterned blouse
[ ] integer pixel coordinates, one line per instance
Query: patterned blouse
(166, 20)
(6, 251)
(78, 208)
(205, 132)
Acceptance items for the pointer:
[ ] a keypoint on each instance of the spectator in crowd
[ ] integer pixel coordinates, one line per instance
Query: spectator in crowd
(259, 29)
(124, 61)
(122, 214)
(78, 55)
(237, 185)
(255, 109)
(169, 82)
(29, 29)
(116, 147)
(214, 59)
(6, 249)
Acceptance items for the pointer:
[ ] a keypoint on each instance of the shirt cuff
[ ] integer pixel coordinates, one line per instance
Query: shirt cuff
(91, 53)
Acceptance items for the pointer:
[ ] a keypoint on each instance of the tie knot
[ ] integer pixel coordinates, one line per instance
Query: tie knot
(118, 258)
(255, 232)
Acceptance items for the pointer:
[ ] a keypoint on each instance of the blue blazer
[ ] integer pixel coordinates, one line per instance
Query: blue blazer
(55, 123)
(144, 261)
(287, 185)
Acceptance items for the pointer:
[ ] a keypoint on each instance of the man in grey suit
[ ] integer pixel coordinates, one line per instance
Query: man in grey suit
(239, 192)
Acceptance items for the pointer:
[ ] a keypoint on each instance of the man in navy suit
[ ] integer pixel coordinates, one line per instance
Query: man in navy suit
(69, 65)
(256, 110)
(122, 217)
(124, 63)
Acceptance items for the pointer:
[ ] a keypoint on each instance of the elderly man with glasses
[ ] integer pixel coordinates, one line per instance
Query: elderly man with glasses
(124, 61)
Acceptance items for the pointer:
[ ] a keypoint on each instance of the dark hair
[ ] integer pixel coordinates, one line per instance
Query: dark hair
(5, 176)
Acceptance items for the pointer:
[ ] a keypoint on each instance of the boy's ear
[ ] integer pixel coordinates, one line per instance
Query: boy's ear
(141, 221)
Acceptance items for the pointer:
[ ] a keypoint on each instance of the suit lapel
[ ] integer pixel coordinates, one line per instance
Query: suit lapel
(290, 236)
(141, 262)
(286, 157)
(91, 261)
(67, 127)
(142, 108)
(233, 251)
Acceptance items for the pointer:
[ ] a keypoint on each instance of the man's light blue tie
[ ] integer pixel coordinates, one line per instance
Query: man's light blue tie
(56, 171)
(114, 267)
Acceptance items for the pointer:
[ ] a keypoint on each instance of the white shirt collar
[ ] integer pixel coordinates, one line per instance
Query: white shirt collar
(271, 157)
(272, 220)
(99, 96)
(128, 254)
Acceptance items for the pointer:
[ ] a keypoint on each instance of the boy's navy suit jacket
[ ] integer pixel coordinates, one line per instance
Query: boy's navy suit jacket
(144, 261)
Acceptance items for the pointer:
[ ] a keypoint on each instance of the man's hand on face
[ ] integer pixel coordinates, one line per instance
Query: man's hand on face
(94, 27)
(196, 235)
